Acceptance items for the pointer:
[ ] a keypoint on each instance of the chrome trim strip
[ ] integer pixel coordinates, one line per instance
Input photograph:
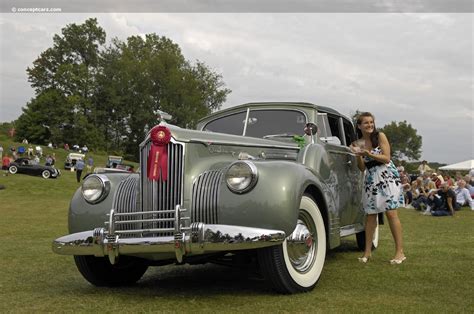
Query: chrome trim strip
(226, 143)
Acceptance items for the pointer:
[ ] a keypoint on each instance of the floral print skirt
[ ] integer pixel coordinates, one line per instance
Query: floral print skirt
(382, 189)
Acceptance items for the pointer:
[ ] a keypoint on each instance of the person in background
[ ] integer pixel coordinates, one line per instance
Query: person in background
(444, 201)
(79, 167)
(5, 163)
(90, 164)
(383, 192)
(436, 179)
(469, 184)
(463, 197)
(48, 161)
(407, 193)
(53, 159)
(423, 167)
(448, 180)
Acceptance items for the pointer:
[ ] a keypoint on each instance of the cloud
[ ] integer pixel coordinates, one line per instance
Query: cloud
(414, 67)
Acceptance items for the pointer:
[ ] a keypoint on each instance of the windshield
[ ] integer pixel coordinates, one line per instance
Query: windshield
(261, 123)
(265, 123)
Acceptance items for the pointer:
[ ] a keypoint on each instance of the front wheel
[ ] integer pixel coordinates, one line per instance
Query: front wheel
(296, 265)
(99, 272)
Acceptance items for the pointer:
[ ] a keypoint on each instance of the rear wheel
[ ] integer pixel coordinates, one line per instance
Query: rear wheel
(46, 174)
(13, 169)
(296, 265)
(99, 272)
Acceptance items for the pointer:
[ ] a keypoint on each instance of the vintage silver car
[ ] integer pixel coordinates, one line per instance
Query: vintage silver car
(273, 182)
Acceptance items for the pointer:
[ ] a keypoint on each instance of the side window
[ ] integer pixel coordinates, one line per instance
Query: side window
(328, 129)
(334, 126)
(324, 130)
(232, 124)
(349, 132)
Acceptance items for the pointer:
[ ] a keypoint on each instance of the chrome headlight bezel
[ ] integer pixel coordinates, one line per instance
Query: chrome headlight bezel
(102, 190)
(249, 180)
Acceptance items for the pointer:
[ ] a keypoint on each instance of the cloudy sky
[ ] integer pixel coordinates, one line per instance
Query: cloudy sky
(416, 67)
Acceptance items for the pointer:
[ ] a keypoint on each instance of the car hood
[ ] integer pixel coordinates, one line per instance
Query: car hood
(210, 138)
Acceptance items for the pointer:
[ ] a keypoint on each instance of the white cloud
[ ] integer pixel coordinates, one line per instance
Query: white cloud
(414, 67)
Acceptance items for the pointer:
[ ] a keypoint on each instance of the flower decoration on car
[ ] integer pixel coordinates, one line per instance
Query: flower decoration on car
(157, 167)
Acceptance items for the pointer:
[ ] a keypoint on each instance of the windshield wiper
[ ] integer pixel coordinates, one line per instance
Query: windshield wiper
(279, 135)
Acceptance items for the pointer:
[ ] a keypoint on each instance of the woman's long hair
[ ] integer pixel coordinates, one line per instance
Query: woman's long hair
(374, 137)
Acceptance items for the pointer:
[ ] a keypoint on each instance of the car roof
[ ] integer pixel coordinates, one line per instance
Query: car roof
(272, 105)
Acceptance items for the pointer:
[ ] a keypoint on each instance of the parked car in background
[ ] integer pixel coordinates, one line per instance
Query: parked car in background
(71, 160)
(126, 167)
(28, 166)
(274, 183)
(113, 161)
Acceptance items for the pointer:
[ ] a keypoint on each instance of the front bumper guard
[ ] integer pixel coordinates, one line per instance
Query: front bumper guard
(199, 238)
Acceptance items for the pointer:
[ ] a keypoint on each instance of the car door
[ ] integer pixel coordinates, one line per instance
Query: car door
(344, 165)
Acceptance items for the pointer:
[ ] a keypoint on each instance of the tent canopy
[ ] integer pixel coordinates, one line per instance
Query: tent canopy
(463, 165)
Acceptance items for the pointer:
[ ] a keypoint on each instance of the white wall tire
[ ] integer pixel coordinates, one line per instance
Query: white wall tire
(46, 174)
(13, 169)
(297, 264)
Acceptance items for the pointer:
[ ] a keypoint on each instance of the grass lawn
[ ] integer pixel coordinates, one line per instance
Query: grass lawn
(438, 275)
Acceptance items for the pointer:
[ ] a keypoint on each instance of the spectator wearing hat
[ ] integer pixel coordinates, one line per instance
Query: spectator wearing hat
(423, 167)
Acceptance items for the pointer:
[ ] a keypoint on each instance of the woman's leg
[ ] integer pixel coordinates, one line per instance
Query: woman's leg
(396, 228)
(370, 225)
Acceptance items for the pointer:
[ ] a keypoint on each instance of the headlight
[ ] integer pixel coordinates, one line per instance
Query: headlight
(241, 176)
(95, 188)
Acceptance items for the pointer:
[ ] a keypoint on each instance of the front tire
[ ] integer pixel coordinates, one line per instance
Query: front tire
(13, 169)
(99, 272)
(296, 265)
(46, 174)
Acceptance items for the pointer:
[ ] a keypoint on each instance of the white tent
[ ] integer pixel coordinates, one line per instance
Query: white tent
(464, 165)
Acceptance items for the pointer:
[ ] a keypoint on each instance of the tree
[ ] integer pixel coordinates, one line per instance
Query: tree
(404, 141)
(64, 78)
(144, 75)
(109, 97)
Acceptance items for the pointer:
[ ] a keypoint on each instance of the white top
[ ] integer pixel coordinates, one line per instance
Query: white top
(463, 196)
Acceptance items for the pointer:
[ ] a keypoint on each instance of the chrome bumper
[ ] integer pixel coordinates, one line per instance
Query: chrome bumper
(198, 239)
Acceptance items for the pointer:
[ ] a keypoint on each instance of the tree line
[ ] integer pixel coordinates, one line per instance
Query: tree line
(109, 96)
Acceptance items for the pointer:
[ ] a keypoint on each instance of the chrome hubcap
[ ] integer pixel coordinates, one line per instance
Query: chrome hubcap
(301, 246)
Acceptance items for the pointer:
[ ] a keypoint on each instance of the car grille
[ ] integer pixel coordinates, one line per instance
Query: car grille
(205, 197)
(149, 210)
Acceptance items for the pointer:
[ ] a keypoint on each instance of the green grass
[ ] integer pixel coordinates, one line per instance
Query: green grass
(438, 275)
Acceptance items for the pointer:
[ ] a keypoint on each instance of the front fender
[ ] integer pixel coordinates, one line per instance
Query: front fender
(84, 216)
(274, 201)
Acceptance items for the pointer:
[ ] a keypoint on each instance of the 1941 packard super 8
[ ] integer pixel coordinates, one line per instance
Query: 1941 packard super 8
(274, 181)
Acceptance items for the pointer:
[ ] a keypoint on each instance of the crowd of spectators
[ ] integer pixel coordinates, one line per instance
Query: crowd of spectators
(438, 195)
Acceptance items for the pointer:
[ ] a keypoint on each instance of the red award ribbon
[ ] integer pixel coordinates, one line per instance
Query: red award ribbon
(158, 155)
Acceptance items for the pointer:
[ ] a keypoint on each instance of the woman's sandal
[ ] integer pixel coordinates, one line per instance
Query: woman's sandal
(397, 261)
(364, 259)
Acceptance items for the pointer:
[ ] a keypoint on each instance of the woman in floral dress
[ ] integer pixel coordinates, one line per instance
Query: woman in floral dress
(383, 190)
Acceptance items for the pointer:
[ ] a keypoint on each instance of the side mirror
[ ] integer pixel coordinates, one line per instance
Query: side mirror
(310, 129)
